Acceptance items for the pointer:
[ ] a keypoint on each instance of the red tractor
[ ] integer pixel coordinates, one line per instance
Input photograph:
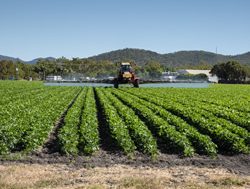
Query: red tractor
(126, 75)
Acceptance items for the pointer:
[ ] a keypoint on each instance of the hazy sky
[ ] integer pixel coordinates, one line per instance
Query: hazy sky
(82, 28)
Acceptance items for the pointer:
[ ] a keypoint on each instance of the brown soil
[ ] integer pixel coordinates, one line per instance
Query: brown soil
(237, 164)
(112, 169)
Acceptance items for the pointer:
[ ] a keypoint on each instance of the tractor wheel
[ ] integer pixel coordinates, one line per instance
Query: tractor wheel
(136, 83)
(116, 83)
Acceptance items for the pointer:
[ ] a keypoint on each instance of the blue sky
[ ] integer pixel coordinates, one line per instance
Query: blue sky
(82, 28)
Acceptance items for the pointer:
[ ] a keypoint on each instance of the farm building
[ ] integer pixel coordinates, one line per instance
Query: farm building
(54, 78)
(169, 76)
(211, 78)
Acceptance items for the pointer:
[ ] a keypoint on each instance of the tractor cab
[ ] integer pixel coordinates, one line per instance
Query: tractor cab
(125, 71)
(125, 67)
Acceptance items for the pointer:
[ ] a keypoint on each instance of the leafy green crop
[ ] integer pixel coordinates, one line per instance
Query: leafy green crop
(119, 129)
(137, 129)
(202, 143)
(225, 134)
(184, 121)
(162, 128)
(89, 135)
(69, 134)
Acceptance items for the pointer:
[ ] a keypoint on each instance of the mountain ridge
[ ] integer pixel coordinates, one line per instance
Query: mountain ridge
(174, 59)
(3, 57)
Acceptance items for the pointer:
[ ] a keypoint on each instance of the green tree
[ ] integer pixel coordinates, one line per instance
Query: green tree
(247, 68)
(16, 70)
(230, 72)
(154, 69)
(46, 67)
(7, 69)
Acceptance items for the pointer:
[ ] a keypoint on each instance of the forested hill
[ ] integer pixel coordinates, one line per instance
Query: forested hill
(184, 59)
(9, 58)
(177, 59)
(139, 56)
(27, 62)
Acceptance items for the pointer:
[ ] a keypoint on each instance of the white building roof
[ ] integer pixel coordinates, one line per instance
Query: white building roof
(195, 72)
(125, 63)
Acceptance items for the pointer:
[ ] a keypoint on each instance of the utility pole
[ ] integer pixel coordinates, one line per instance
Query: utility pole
(216, 57)
(44, 75)
(16, 73)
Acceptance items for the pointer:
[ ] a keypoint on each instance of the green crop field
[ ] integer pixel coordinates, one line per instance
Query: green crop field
(149, 120)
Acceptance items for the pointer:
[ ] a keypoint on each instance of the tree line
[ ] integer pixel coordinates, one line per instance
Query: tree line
(16, 70)
(72, 68)
(229, 72)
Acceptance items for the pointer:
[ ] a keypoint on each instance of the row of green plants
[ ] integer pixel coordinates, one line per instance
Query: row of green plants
(117, 127)
(227, 138)
(202, 143)
(14, 116)
(89, 134)
(44, 118)
(230, 118)
(79, 133)
(235, 97)
(185, 121)
(171, 138)
(18, 85)
(138, 131)
(27, 121)
(69, 133)
(26, 99)
(239, 118)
